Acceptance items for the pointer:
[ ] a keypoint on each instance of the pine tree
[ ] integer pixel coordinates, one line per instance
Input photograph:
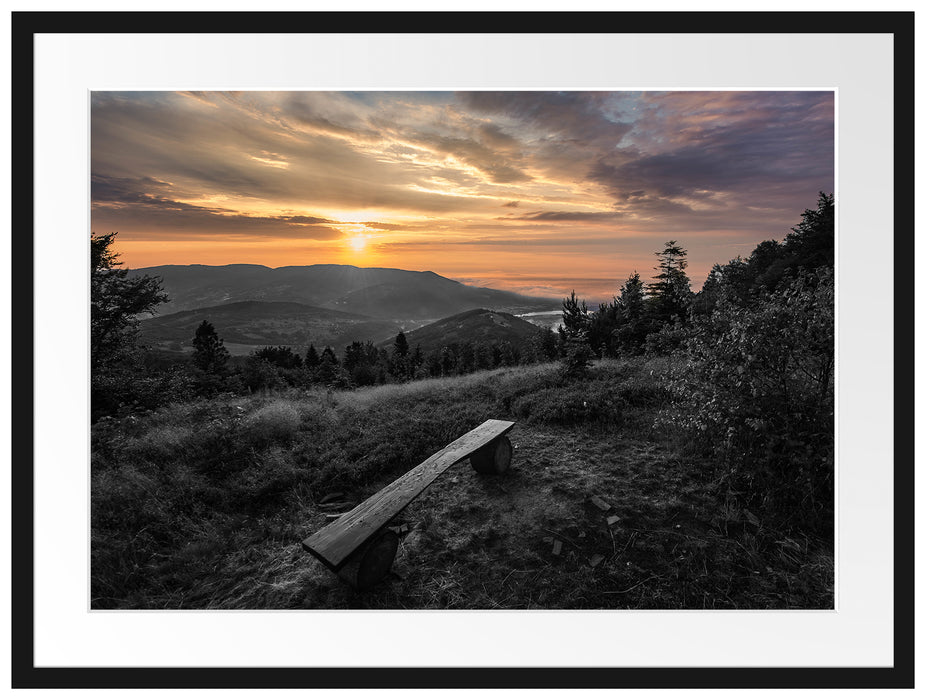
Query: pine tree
(400, 356)
(209, 353)
(545, 344)
(417, 358)
(400, 347)
(671, 292)
(329, 369)
(116, 300)
(311, 358)
(631, 300)
(575, 316)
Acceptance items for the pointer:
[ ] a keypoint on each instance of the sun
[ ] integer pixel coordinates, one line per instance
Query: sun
(357, 243)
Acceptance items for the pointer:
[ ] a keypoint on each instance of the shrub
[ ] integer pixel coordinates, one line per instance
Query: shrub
(757, 393)
(577, 357)
(277, 421)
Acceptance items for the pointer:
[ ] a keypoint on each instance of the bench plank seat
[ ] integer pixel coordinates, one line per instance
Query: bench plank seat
(334, 543)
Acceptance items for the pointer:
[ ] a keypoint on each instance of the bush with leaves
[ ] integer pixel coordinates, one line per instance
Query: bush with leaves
(757, 392)
(577, 357)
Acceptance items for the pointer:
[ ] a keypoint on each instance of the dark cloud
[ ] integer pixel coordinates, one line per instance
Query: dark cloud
(568, 216)
(750, 144)
(500, 166)
(124, 203)
(512, 204)
(572, 116)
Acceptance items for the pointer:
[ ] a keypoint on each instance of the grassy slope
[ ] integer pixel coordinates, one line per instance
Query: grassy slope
(205, 505)
(246, 325)
(473, 326)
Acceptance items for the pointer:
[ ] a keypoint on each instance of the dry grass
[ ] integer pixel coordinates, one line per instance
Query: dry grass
(205, 505)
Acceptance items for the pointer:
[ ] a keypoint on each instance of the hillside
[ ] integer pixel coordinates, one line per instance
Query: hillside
(246, 325)
(206, 504)
(381, 292)
(473, 326)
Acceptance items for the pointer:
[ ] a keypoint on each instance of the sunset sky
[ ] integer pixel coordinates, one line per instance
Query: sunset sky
(537, 192)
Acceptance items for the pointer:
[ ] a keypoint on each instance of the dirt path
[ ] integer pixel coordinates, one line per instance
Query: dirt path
(534, 537)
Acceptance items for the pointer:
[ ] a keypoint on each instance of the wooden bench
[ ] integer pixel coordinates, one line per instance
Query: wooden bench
(358, 546)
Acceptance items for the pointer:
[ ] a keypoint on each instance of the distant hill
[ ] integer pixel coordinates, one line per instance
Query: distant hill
(247, 325)
(384, 293)
(473, 326)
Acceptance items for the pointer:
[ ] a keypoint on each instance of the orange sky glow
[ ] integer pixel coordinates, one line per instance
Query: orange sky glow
(535, 192)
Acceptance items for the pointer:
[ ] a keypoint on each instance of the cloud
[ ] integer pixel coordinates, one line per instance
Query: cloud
(569, 216)
(748, 144)
(569, 116)
(572, 169)
(124, 203)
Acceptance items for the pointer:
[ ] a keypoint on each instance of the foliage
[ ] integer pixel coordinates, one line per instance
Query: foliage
(311, 357)
(757, 392)
(577, 356)
(575, 317)
(280, 356)
(810, 245)
(671, 291)
(115, 303)
(209, 353)
(633, 323)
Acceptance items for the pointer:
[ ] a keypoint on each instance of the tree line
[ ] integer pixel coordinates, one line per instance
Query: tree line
(360, 364)
(659, 317)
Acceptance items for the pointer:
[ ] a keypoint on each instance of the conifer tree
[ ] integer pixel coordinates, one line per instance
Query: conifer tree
(209, 353)
(311, 357)
(116, 300)
(575, 317)
(671, 292)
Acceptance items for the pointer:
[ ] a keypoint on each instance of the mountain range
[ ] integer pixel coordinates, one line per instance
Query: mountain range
(383, 293)
(252, 306)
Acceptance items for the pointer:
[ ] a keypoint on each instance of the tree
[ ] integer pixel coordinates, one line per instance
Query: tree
(417, 358)
(311, 358)
(282, 357)
(671, 292)
(633, 323)
(632, 298)
(400, 347)
(482, 355)
(575, 317)
(400, 356)
(448, 361)
(329, 369)
(545, 344)
(116, 301)
(209, 353)
(811, 241)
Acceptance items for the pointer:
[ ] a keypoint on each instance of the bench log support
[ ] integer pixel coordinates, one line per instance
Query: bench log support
(494, 458)
(370, 564)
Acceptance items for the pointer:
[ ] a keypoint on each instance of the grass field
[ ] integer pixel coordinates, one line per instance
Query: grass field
(205, 504)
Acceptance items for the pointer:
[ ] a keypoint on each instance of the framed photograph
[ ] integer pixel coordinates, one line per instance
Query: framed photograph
(643, 282)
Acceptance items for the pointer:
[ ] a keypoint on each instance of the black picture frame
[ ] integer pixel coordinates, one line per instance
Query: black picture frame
(25, 674)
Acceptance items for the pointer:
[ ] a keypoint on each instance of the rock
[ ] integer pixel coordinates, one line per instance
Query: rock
(600, 503)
